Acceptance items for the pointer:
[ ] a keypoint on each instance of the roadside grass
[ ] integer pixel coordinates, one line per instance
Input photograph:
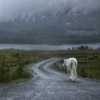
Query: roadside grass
(14, 63)
(86, 68)
(89, 68)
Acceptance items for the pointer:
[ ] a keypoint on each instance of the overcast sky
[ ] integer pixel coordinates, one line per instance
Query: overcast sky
(9, 9)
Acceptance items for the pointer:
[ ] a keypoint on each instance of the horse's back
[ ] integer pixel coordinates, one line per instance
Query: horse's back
(73, 60)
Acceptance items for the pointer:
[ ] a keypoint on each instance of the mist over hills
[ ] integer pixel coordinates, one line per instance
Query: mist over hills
(62, 26)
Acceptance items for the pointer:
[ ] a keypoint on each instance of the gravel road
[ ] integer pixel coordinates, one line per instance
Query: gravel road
(48, 84)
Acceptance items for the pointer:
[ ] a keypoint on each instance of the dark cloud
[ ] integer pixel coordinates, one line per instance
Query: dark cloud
(10, 9)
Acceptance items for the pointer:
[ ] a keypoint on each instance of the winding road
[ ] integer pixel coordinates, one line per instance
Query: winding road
(48, 84)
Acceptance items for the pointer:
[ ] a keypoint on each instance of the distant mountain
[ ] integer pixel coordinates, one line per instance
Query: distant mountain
(64, 26)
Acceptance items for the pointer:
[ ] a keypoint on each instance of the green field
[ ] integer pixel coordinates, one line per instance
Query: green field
(14, 63)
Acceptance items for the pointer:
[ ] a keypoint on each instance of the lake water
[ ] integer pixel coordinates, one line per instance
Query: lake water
(44, 46)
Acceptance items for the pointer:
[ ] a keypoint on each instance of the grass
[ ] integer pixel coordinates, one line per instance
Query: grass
(14, 63)
(86, 68)
(89, 68)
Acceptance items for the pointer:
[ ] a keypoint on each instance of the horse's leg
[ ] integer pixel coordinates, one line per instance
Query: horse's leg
(74, 73)
(72, 78)
(71, 75)
(68, 71)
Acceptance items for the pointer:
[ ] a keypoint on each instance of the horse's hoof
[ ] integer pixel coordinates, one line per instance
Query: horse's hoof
(73, 81)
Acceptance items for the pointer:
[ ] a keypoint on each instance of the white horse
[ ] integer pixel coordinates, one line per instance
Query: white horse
(71, 65)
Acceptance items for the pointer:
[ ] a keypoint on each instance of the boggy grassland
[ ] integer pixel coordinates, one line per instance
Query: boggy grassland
(14, 63)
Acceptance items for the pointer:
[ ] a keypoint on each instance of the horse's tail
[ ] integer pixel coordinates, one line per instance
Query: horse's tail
(74, 70)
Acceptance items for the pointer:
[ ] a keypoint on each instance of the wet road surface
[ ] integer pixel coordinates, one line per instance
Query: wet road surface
(48, 84)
